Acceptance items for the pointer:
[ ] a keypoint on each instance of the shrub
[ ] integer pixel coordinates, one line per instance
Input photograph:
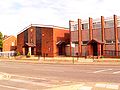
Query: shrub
(18, 54)
(28, 54)
(102, 57)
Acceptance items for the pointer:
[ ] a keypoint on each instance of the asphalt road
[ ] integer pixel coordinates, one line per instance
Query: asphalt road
(29, 76)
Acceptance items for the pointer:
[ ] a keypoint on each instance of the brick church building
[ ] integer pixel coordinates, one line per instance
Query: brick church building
(95, 37)
(43, 40)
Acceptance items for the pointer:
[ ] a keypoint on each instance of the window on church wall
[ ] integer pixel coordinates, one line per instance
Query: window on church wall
(74, 27)
(13, 43)
(96, 25)
(84, 42)
(85, 26)
(75, 42)
(118, 23)
(31, 30)
(110, 41)
(31, 36)
(31, 40)
(109, 24)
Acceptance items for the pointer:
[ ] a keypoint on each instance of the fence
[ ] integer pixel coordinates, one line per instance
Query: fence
(7, 54)
(111, 53)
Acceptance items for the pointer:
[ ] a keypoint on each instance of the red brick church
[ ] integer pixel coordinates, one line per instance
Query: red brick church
(95, 37)
(44, 40)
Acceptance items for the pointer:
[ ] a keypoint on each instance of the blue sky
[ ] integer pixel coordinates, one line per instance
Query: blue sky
(17, 14)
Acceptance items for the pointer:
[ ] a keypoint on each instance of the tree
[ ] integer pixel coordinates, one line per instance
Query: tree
(1, 41)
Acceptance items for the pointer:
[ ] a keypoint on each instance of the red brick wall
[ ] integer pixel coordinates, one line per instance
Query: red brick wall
(110, 47)
(7, 43)
(47, 41)
(109, 34)
(84, 50)
(119, 33)
(50, 36)
(97, 34)
(119, 38)
(85, 35)
(59, 35)
(118, 47)
(20, 42)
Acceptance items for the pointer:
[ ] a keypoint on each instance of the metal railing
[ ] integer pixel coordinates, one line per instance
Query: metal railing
(111, 53)
(7, 54)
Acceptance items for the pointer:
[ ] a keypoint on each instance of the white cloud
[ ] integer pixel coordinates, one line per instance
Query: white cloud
(17, 14)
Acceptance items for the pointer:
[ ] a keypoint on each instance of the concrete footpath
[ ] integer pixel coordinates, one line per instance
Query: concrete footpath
(62, 60)
(89, 86)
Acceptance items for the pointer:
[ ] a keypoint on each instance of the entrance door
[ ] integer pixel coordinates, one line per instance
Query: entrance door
(32, 50)
(60, 50)
(95, 49)
(26, 50)
(101, 49)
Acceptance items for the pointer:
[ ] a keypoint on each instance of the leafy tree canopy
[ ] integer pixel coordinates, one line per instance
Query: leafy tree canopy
(1, 40)
(1, 35)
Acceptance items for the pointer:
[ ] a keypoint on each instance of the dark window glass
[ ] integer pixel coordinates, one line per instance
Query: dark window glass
(85, 42)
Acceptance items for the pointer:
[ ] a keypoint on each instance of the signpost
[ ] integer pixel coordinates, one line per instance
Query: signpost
(73, 46)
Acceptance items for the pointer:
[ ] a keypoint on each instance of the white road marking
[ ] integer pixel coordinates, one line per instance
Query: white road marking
(100, 85)
(102, 70)
(30, 82)
(11, 87)
(28, 77)
(108, 86)
(9, 75)
(116, 72)
(85, 88)
(4, 76)
(112, 86)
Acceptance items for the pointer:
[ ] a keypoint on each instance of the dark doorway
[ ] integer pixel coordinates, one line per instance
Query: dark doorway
(95, 49)
(60, 50)
(32, 50)
(26, 50)
(101, 49)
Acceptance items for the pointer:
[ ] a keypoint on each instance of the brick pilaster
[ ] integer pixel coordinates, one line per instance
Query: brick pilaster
(116, 34)
(79, 38)
(90, 29)
(103, 33)
(70, 38)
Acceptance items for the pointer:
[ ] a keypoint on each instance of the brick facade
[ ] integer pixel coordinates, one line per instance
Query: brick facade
(9, 44)
(104, 35)
(43, 40)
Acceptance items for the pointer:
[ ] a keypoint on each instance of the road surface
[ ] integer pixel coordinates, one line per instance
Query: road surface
(30, 76)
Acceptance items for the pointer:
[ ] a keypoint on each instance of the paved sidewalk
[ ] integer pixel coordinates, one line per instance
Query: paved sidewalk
(64, 60)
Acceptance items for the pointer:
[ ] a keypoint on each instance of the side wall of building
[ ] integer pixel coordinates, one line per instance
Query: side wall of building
(10, 43)
(47, 41)
(20, 42)
(59, 35)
